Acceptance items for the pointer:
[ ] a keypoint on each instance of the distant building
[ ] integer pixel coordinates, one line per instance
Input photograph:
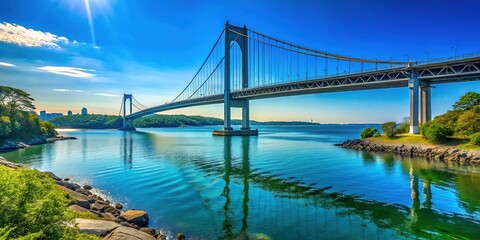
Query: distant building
(44, 116)
(84, 111)
(70, 113)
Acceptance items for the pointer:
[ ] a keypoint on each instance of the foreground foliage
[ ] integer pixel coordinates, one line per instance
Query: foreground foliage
(32, 206)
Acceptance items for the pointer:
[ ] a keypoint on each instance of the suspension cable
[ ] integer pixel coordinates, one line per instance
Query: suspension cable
(318, 53)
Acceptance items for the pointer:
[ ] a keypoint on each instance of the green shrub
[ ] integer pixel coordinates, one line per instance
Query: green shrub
(403, 128)
(436, 132)
(48, 130)
(390, 129)
(32, 206)
(368, 132)
(475, 139)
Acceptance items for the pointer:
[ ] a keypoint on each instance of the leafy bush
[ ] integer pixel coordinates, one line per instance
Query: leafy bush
(403, 128)
(32, 206)
(48, 130)
(369, 132)
(436, 132)
(475, 139)
(390, 129)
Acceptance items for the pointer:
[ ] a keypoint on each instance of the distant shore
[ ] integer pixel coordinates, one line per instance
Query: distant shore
(435, 152)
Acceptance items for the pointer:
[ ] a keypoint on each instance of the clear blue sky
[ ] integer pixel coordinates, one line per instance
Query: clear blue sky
(152, 49)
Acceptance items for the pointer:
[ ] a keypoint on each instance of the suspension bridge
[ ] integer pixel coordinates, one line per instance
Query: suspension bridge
(245, 65)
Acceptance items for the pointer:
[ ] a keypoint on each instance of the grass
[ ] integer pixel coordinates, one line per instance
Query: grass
(461, 143)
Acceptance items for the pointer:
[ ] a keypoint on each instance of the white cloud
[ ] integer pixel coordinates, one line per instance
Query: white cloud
(69, 71)
(106, 95)
(20, 35)
(65, 90)
(4, 64)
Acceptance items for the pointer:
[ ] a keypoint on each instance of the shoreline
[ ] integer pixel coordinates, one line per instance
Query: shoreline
(12, 145)
(98, 216)
(439, 153)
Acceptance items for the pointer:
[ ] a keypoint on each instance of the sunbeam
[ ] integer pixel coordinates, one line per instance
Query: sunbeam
(90, 22)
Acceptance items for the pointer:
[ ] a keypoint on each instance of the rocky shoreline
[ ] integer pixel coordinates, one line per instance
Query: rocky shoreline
(112, 222)
(441, 153)
(13, 145)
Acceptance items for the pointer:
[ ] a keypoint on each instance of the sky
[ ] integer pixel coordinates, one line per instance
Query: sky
(70, 54)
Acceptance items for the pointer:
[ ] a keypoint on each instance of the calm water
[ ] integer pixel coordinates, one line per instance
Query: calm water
(288, 183)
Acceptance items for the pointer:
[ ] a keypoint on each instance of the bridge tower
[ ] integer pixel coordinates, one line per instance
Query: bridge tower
(231, 35)
(127, 124)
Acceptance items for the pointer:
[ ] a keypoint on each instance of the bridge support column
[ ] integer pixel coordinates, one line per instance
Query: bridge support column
(414, 85)
(127, 124)
(246, 116)
(242, 41)
(426, 104)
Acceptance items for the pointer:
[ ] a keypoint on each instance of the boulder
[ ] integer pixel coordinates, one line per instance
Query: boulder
(87, 187)
(77, 208)
(96, 227)
(53, 176)
(137, 217)
(118, 206)
(80, 199)
(8, 164)
(150, 231)
(126, 233)
(69, 185)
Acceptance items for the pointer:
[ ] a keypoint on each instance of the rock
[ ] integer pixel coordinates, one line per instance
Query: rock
(87, 187)
(137, 217)
(77, 208)
(108, 216)
(98, 207)
(162, 237)
(8, 164)
(22, 145)
(69, 185)
(126, 224)
(53, 176)
(118, 206)
(80, 199)
(96, 227)
(84, 192)
(150, 231)
(126, 233)
(66, 179)
(180, 236)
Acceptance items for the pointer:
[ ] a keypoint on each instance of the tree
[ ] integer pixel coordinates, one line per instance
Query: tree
(390, 129)
(4, 126)
(468, 122)
(15, 100)
(467, 101)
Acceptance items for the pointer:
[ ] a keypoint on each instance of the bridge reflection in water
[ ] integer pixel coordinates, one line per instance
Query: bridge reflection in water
(256, 203)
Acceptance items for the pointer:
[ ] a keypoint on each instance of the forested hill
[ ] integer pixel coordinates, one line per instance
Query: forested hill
(152, 121)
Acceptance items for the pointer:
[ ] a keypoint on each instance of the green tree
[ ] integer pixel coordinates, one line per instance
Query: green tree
(467, 101)
(15, 100)
(4, 126)
(390, 129)
(468, 122)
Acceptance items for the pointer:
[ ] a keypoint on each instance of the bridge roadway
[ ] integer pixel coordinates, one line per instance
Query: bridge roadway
(448, 71)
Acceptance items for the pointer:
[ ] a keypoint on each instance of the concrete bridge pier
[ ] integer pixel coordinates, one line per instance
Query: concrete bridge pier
(425, 103)
(414, 85)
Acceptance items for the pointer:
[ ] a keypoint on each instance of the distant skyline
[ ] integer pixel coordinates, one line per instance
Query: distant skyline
(70, 54)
